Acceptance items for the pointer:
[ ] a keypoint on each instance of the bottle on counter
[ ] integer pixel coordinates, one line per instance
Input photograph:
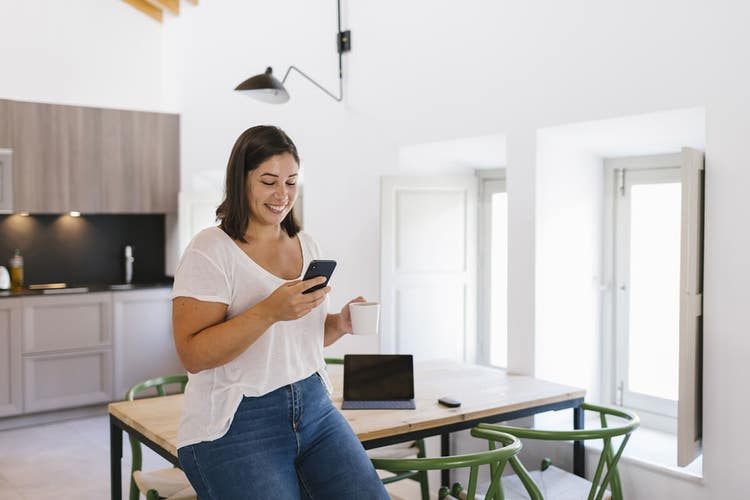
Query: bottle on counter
(16, 271)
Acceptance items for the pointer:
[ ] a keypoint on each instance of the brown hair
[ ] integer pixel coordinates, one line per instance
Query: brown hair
(254, 146)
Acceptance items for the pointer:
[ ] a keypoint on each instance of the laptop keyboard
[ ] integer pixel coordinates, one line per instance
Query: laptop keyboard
(378, 405)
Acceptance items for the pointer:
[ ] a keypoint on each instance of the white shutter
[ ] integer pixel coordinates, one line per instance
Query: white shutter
(689, 412)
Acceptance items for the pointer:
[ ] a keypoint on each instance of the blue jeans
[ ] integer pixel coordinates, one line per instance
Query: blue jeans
(288, 444)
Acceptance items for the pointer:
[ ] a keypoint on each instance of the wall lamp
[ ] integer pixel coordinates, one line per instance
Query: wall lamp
(267, 88)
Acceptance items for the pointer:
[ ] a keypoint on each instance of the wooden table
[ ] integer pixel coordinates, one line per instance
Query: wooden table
(487, 395)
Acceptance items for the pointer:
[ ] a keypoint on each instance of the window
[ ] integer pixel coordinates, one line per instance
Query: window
(653, 305)
(647, 286)
(493, 274)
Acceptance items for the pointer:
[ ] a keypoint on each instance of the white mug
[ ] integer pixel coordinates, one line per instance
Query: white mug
(365, 317)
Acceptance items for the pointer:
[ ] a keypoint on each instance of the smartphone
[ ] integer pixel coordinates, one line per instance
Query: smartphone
(319, 268)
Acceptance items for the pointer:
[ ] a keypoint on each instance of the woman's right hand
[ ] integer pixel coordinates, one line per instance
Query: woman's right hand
(288, 303)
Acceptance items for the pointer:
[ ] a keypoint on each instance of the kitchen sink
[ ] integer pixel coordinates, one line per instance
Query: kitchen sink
(122, 286)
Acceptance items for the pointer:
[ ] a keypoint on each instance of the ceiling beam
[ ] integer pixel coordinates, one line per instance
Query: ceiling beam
(194, 2)
(172, 6)
(148, 9)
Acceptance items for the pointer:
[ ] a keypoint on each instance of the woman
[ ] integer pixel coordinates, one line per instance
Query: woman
(258, 421)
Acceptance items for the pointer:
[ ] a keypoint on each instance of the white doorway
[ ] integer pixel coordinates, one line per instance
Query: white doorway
(428, 266)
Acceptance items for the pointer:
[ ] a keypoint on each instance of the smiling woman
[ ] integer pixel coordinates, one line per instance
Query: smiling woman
(252, 343)
(262, 173)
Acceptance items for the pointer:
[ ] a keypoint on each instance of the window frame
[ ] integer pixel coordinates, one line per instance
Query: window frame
(658, 413)
(491, 181)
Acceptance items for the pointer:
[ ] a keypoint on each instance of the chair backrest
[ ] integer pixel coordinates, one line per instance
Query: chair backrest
(609, 457)
(158, 383)
(496, 459)
(135, 445)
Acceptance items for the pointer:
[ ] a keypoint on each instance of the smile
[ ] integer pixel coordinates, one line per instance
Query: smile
(277, 209)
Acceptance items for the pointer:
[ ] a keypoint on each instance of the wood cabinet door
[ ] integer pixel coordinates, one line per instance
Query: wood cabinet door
(11, 396)
(166, 174)
(140, 166)
(5, 139)
(40, 174)
(81, 129)
(118, 181)
(145, 153)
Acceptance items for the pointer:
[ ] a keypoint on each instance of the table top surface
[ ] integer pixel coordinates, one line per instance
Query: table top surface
(483, 392)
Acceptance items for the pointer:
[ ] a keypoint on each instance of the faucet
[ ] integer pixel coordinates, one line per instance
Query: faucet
(129, 264)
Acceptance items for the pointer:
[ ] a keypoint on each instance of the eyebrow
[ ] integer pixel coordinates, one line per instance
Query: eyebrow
(274, 175)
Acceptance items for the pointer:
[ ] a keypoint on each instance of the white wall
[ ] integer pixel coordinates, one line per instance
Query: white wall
(82, 52)
(432, 71)
(569, 238)
(426, 71)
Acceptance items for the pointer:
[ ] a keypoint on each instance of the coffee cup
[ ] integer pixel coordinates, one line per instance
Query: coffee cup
(365, 317)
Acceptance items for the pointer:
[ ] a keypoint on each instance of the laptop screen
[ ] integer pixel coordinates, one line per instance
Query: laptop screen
(378, 377)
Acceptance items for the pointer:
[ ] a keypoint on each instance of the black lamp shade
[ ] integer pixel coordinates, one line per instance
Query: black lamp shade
(264, 87)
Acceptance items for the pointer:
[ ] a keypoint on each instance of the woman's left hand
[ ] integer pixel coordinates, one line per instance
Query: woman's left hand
(345, 318)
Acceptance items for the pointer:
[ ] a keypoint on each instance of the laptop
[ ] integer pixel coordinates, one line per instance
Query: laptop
(378, 382)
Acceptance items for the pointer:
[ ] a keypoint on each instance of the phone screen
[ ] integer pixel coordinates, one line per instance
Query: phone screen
(319, 268)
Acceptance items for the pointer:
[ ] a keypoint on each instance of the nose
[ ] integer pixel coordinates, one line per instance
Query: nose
(281, 192)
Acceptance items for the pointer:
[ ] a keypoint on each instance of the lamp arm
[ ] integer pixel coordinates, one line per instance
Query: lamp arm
(341, 85)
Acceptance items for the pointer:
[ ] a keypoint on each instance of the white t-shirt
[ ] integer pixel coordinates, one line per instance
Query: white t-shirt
(214, 269)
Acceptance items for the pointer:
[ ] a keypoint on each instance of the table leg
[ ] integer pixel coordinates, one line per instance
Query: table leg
(579, 455)
(115, 460)
(445, 451)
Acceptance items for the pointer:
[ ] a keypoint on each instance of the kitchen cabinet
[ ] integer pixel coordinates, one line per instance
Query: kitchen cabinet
(140, 162)
(4, 124)
(11, 396)
(142, 328)
(40, 180)
(67, 351)
(67, 379)
(92, 160)
(59, 352)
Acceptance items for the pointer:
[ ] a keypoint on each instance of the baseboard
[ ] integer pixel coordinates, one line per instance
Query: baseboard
(51, 417)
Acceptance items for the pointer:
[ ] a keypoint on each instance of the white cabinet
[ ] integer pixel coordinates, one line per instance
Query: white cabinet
(11, 383)
(60, 352)
(144, 347)
(67, 351)
(67, 379)
(69, 322)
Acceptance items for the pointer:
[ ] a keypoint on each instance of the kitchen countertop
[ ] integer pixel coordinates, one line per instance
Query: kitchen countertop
(76, 288)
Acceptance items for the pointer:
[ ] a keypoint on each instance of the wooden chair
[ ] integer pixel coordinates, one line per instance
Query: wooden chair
(495, 459)
(557, 484)
(400, 450)
(168, 483)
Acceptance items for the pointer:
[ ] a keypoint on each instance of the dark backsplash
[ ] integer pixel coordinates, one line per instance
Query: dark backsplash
(85, 249)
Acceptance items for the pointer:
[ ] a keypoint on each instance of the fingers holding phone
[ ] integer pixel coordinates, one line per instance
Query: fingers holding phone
(288, 302)
(317, 268)
(295, 299)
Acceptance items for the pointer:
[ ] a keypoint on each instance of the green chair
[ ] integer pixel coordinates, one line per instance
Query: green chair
(557, 484)
(495, 459)
(168, 483)
(400, 450)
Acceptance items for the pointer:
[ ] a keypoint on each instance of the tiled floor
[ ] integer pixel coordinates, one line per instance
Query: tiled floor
(70, 460)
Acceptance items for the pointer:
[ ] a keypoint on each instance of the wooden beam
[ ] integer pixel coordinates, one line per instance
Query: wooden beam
(194, 2)
(148, 9)
(172, 6)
